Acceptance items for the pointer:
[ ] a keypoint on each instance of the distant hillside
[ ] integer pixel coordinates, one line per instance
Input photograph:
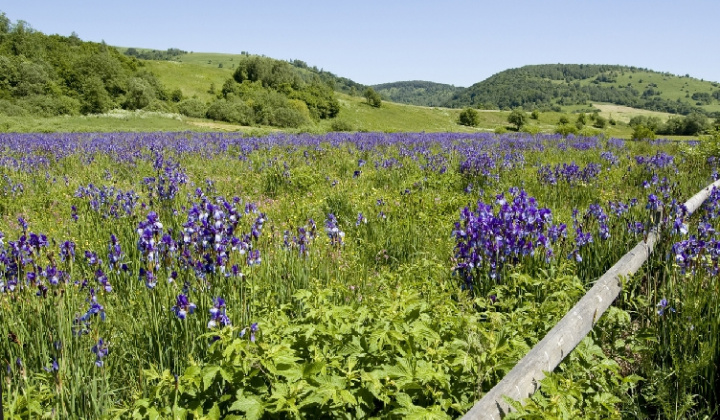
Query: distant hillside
(417, 92)
(550, 86)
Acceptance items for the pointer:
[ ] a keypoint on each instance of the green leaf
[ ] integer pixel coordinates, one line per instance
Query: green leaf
(347, 397)
(251, 405)
(312, 369)
(208, 376)
(214, 413)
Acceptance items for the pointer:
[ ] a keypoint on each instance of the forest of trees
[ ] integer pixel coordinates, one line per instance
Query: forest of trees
(340, 84)
(417, 92)
(271, 92)
(50, 75)
(169, 54)
(550, 86)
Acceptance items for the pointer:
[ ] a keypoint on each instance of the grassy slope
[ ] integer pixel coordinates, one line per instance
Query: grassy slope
(194, 73)
(672, 87)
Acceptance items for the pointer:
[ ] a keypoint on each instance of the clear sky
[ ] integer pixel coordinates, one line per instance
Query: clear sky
(458, 42)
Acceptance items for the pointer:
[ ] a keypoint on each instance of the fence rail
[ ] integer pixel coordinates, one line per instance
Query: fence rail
(524, 379)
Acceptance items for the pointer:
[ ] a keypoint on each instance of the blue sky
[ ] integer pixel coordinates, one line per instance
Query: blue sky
(458, 42)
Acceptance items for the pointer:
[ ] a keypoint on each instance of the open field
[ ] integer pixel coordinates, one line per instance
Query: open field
(377, 274)
(624, 113)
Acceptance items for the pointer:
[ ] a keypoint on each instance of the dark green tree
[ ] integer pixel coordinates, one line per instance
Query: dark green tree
(641, 133)
(469, 117)
(176, 95)
(518, 118)
(600, 122)
(373, 98)
(95, 99)
(4, 23)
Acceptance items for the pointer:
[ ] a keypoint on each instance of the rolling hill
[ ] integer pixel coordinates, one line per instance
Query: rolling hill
(552, 86)
(417, 92)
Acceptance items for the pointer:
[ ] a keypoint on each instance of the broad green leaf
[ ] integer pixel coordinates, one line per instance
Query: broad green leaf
(251, 405)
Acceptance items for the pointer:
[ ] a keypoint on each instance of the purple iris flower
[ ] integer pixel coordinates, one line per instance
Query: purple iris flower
(183, 306)
(101, 350)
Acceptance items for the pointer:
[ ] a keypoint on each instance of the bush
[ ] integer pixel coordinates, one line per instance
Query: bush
(517, 117)
(641, 132)
(10, 109)
(566, 129)
(288, 117)
(600, 122)
(176, 95)
(373, 98)
(501, 130)
(50, 106)
(237, 112)
(530, 129)
(469, 117)
(193, 107)
(341, 125)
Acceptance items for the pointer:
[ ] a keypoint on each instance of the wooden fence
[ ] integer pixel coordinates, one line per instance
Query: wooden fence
(524, 379)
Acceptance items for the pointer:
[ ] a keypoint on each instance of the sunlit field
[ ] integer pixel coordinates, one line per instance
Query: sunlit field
(348, 275)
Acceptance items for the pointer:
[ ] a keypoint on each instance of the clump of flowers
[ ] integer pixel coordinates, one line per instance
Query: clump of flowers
(488, 239)
(333, 231)
(183, 306)
(101, 350)
(218, 316)
(569, 173)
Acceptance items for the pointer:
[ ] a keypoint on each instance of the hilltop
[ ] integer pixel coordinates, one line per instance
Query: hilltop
(553, 86)
(417, 92)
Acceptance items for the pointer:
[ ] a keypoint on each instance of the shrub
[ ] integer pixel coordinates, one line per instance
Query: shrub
(469, 117)
(517, 117)
(641, 132)
(192, 108)
(566, 129)
(501, 130)
(237, 112)
(530, 129)
(600, 122)
(288, 117)
(341, 125)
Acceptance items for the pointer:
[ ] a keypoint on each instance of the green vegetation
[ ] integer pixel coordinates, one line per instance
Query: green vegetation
(145, 54)
(469, 117)
(518, 118)
(373, 98)
(47, 76)
(417, 92)
(552, 86)
(108, 239)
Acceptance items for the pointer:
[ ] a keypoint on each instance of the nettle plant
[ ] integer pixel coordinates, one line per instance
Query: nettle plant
(404, 356)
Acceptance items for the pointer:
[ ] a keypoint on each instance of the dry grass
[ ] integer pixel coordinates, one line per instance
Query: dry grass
(625, 113)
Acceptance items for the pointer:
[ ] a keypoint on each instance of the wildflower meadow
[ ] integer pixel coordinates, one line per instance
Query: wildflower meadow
(349, 275)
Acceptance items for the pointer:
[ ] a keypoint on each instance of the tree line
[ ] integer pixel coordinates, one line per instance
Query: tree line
(50, 75)
(271, 92)
(548, 87)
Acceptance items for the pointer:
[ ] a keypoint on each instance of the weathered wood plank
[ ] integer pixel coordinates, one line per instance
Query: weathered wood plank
(524, 379)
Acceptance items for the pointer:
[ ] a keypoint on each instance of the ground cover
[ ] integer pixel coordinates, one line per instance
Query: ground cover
(211, 275)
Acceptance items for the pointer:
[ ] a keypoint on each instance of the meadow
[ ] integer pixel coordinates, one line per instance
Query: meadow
(348, 275)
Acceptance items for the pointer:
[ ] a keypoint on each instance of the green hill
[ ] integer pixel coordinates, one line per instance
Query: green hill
(551, 86)
(417, 92)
